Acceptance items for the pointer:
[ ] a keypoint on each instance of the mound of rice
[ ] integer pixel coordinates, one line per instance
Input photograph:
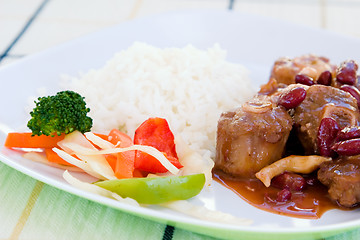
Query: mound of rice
(189, 87)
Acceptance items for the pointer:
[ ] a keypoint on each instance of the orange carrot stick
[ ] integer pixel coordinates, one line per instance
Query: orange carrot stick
(125, 160)
(111, 160)
(26, 140)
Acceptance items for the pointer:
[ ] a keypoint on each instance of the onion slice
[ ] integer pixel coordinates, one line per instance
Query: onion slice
(293, 163)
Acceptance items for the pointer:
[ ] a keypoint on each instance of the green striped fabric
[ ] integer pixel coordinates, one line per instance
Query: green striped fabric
(30, 210)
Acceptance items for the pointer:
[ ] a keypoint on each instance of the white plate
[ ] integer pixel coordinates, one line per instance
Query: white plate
(250, 40)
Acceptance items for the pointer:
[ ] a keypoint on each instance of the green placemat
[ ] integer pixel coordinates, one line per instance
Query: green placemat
(30, 209)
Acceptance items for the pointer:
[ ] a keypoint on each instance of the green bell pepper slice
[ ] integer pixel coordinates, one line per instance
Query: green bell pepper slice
(156, 190)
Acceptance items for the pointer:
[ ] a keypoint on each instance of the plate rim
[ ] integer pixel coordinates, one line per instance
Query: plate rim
(90, 196)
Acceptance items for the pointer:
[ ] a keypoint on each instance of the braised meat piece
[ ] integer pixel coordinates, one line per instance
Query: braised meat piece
(285, 69)
(251, 137)
(309, 109)
(342, 177)
(323, 102)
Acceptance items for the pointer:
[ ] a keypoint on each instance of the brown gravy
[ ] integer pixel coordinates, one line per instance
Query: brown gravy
(310, 203)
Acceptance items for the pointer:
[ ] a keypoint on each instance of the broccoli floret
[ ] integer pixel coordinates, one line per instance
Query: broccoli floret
(63, 113)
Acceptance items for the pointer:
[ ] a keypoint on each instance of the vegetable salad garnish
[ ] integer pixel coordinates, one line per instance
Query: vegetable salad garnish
(143, 170)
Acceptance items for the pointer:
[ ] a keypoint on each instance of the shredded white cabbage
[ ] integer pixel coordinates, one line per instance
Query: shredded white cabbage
(192, 161)
(41, 158)
(204, 213)
(76, 137)
(97, 163)
(98, 141)
(96, 189)
(79, 163)
(147, 149)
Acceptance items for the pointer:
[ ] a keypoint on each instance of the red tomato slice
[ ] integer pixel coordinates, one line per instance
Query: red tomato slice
(155, 132)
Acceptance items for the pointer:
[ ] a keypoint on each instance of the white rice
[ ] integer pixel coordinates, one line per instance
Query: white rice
(189, 87)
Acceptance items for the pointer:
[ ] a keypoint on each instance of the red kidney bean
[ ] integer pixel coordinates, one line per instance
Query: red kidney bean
(289, 180)
(354, 91)
(346, 72)
(327, 134)
(284, 195)
(324, 78)
(348, 133)
(293, 98)
(348, 147)
(303, 79)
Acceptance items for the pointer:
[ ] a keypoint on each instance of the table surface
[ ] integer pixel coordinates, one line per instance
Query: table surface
(30, 26)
